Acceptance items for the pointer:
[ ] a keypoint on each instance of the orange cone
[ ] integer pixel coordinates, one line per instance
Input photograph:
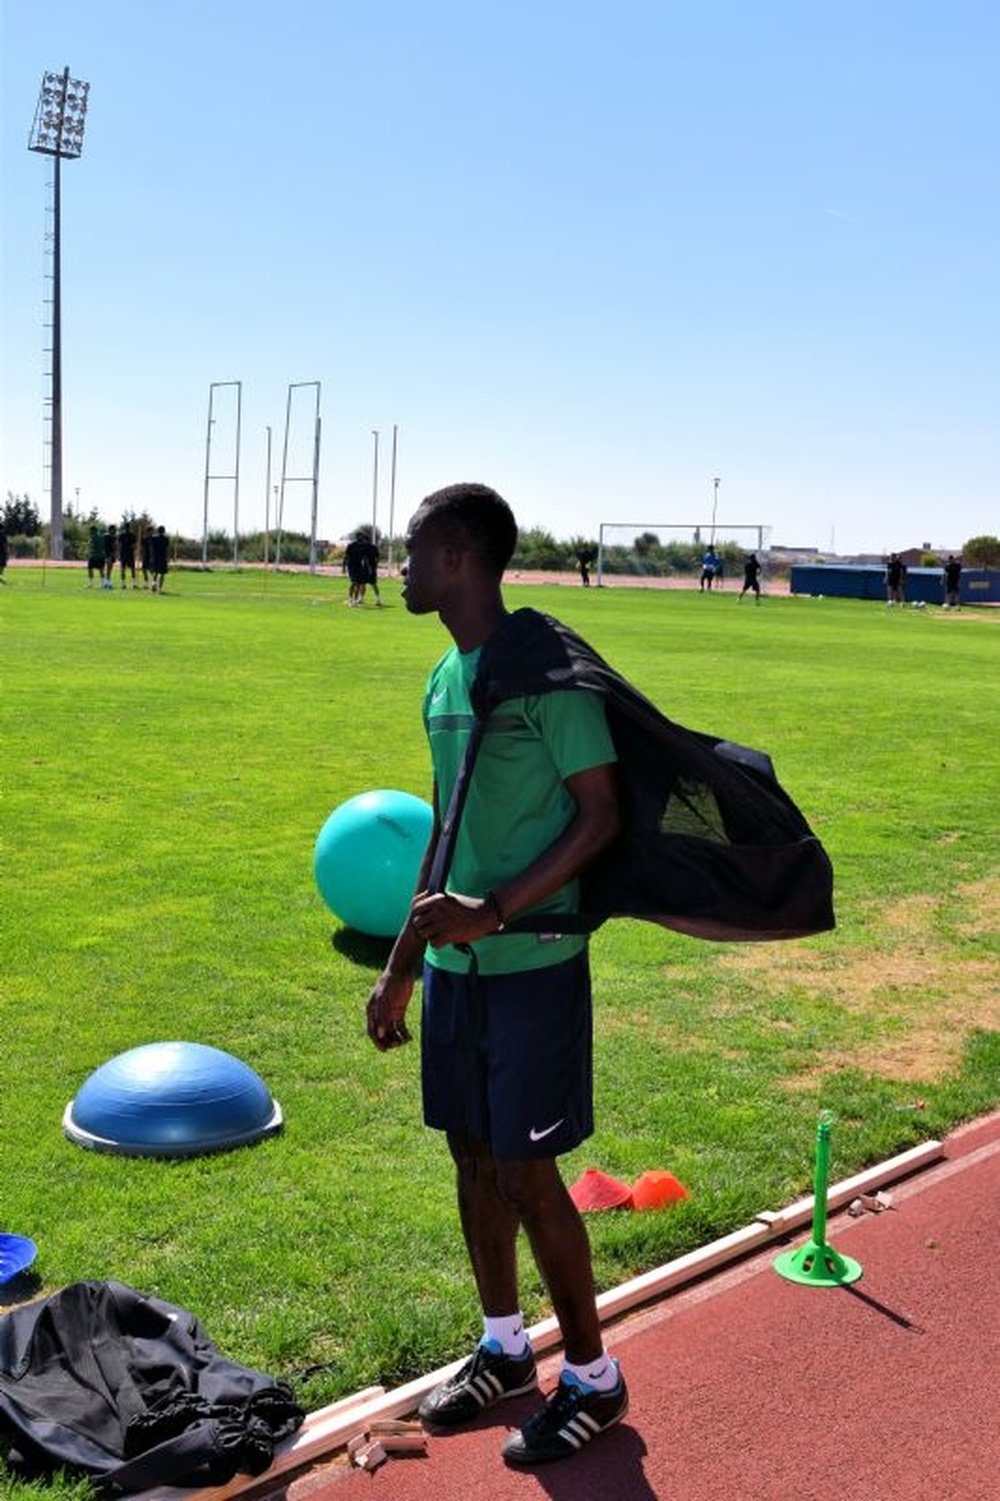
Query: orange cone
(595, 1190)
(655, 1190)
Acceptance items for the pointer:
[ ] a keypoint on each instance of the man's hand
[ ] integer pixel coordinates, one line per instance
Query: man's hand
(387, 1010)
(447, 917)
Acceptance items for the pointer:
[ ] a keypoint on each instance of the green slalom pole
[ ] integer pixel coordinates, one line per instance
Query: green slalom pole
(817, 1264)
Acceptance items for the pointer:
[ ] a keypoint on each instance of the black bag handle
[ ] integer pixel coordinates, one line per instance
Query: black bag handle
(192, 1457)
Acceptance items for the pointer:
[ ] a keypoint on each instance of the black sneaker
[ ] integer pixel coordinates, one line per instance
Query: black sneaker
(488, 1377)
(571, 1417)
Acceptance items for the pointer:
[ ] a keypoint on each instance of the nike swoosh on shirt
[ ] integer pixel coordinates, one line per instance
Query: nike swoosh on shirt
(437, 697)
(534, 1135)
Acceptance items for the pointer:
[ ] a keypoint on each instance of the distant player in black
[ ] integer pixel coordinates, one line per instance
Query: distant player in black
(751, 577)
(952, 580)
(585, 558)
(355, 565)
(95, 556)
(895, 580)
(3, 551)
(126, 553)
(370, 556)
(159, 556)
(147, 557)
(110, 557)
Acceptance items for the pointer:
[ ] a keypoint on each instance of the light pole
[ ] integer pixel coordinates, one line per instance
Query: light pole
(715, 507)
(236, 488)
(267, 500)
(208, 465)
(375, 491)
(392, 493)
(60, 116)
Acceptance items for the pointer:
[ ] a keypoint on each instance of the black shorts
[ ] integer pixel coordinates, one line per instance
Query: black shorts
(507, 1060)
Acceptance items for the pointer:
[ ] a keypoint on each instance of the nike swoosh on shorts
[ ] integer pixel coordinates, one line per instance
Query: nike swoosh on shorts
(534, 1135)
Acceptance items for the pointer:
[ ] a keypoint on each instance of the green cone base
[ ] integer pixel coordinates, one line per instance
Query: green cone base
(817, 1266)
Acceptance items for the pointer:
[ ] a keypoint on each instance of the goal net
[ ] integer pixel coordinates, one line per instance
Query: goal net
(670, 549)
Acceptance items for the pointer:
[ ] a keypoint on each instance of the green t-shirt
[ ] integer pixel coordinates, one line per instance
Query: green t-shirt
(518, 804)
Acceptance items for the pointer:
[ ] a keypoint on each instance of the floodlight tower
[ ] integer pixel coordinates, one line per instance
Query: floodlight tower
(57, 131)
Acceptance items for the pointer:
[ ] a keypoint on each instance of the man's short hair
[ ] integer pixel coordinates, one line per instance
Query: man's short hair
(482, 515)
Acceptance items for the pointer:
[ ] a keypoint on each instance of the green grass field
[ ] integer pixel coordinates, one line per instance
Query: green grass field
(167, 763)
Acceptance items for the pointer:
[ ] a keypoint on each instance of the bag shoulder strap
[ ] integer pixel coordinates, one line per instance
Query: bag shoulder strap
(444, 852)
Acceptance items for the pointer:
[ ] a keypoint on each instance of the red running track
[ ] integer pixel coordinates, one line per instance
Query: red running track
(750, 1388)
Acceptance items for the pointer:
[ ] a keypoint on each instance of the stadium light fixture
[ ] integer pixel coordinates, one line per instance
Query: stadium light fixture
(57, 131)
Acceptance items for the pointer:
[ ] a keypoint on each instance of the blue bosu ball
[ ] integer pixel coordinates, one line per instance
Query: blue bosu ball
(367, 858)
(171, 1099)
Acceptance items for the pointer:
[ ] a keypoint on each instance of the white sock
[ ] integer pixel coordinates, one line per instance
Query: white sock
(601, 1374)
(507, 1332)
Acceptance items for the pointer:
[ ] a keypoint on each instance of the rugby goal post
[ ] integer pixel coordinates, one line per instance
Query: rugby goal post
(666, 549)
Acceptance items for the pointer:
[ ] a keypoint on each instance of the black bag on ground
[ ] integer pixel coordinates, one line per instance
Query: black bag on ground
(711, 844)
(129, 1390)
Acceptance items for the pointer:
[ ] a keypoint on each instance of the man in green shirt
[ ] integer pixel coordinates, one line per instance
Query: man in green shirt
(506, 1021)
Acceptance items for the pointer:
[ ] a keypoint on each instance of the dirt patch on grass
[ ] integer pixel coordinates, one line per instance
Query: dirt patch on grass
(982, 900)
(930, 991)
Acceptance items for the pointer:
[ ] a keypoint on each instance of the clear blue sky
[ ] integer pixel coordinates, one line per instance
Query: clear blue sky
(592, 254)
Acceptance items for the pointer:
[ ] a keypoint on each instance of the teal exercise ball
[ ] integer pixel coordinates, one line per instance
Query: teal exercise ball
(367, 859)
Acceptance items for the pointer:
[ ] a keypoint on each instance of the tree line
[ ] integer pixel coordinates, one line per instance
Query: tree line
(537, 549)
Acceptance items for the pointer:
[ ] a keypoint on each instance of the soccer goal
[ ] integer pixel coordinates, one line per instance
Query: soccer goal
(672, 549)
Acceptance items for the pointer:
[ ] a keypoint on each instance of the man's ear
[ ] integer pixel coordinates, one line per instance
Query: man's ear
(454, 554)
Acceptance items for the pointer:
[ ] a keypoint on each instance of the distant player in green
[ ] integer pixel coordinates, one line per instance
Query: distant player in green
(506, 1040)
